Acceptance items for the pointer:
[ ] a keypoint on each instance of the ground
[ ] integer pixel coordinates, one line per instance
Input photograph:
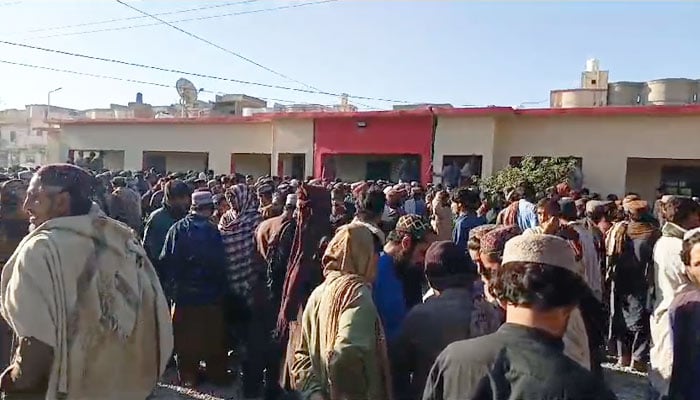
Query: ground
(626, 385)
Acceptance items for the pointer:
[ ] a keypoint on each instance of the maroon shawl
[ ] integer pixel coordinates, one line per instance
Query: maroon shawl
(303, 272)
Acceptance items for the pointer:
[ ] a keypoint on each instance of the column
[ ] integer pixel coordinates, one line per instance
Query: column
(220, 161)
(133, 159)
(606, 174)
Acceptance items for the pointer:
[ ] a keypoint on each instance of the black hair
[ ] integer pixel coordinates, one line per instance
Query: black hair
(688, 245)
(466, 197)
(679, 209)
(551, 207)
(539, 286)
(370, 205)
(568, 210)
(75, 181)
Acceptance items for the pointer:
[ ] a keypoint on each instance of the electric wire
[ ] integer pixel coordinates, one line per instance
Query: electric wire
(201, 75)
(109, 21)
(115, 78)
(121, 28)
(224, 49)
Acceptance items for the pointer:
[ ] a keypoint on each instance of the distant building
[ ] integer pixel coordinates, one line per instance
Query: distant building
(419, 106)
(233, 104)
(596, 91)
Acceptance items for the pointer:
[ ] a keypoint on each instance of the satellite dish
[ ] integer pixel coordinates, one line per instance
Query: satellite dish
(187, 91)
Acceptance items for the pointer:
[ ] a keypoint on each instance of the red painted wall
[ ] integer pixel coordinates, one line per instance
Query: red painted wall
(402, 134)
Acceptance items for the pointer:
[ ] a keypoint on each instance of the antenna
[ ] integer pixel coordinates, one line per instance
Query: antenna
(188, 93)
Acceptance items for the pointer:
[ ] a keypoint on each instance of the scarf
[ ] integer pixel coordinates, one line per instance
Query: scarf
(348, 262)
(237, 227)
(313, 223)
(510, 214)
(100, 306)
(672, 230)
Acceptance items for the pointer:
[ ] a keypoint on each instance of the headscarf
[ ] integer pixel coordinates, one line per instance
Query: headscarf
(237, 227)
(348, 263)
(313, 223)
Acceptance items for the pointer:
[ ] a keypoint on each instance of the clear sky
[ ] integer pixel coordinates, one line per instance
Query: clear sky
(459, 52)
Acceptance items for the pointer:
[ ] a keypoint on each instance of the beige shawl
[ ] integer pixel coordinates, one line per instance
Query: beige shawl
(91, 293)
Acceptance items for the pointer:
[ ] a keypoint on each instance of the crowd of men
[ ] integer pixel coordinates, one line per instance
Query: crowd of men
(332, 290)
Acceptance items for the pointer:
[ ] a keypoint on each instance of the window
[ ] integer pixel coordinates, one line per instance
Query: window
(593, 81)
(469, 166)
(39, 133)
(13, 136)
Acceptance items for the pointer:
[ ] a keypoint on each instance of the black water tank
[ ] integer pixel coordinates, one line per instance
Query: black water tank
(139, 98)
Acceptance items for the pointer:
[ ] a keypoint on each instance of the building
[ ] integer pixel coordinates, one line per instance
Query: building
(23, 133)
(620, 148)
(596, 91)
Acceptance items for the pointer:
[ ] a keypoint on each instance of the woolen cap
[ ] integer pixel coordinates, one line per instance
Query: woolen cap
(592, 205)
(202, 198)
(540, 249)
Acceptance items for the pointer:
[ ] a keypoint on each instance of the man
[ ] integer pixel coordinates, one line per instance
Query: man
(393, 210)
(82, 298)
(399, 282)
(176, 201)
(682, 214)
(416, 203)
(465, 202)
(267, 208)
(194, 278)
(370, 206)
(455, 312)
(630, 273)
(524, 359)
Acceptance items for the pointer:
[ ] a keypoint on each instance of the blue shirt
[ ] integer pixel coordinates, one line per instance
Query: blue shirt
(388, 295)
(527, 215)
(464, 224)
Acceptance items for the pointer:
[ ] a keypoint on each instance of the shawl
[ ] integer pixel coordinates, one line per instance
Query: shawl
(92, 294)
(313, 223)
(348, 264)
(510, 214)
(237, 227)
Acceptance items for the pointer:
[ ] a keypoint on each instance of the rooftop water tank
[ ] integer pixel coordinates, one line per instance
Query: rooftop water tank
(671, 91)
(592, 64)
(626, 94)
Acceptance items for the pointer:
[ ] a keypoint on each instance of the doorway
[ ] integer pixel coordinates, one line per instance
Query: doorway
(379, 169)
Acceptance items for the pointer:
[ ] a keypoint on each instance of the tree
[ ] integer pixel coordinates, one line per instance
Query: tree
(540, 173)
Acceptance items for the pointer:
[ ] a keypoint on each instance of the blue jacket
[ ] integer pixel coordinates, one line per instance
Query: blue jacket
(464, 224)
(388, 294)
(193, 262)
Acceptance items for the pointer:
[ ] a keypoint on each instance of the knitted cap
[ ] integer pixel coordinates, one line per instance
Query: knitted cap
(540, 249)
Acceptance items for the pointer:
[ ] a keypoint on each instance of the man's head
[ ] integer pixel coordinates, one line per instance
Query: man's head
(220, 203)
(409, 241)
(548, 210)
(203, 203)
(446, 266)
(569, 212)
(465, 200)
(682, 211)
(491, 248)
(176, 195)
(538, 282)
(58, 190)
(370, 205)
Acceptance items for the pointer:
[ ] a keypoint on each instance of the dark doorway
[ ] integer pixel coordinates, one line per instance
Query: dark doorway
(681, 181)
(378, 170)
(298, 165)
(155, 161)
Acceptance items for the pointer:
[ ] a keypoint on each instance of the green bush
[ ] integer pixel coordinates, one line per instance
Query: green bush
(540, 173)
